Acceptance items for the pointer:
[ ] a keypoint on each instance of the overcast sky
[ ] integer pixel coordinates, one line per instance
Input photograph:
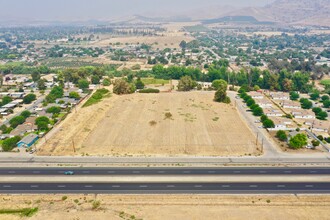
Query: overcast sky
(104, 9)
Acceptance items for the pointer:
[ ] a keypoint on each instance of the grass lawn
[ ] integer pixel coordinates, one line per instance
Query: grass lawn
(153, 81)
(325, 82)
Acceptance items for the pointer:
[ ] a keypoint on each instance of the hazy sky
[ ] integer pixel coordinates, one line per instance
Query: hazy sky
(103, 9)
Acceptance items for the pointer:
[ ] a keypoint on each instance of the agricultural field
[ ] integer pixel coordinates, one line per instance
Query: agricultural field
(167, 124)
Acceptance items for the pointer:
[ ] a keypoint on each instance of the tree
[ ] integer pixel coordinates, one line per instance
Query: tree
(305, 103)
(298, 141)
(41, 84)
(316, 110)
(139, 84)
(325, 98)
(250, 102)
(315, 143)
(322, 115)
(56, 93)
(268, 123)
(121, 86)
(326, 104)
(35, 76)
(95, 79)
(183, 45)
(42, 122)
(29, 98)
(6, 100)
(74, 95)
(14, 122)
(10, 143)
(83, 84)
(216, 84)
(281, 135)
(258, 111)
(221, 93)
(26, 114)
(106, 82)
(315, 95)
(42, 126)
(54, 110)
(294, 96)
(186, 84)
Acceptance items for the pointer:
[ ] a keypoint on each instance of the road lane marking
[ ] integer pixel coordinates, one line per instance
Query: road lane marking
(309, 186)
(280, 186)
(253, 186)
(262, 171)
(35, 171)
(211, 171)
(111, 171)
(170, 186)
(115, 186)
(161, 171)
(34, 186)
(143, 186)
(6, 186)
(225, 186)
(312, 171)
(11, 172)
(287, 171)
(186, 171)
(86, 171)
(237, 171)
(88, 186)
(198, 186)
(61, 186)
(136, 172)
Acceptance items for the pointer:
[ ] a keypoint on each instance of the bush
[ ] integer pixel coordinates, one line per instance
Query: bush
(305, 103)
(121, 87)
(281, 135)
(54, 110)
(106, 82)
(150, 90)
(315, 143)
(64, 198)
(26, 114)
(268, 123)
(28, 99)
(258, 111)
(96, 97)
(14, 122)
(74, 95)
(294, 96)
(96, 204)
(10, 143)
(298, 141)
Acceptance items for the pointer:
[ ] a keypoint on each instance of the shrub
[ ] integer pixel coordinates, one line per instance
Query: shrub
(150, 90)
(28, 99)
(96, 204)
(10, 143)
(54, 110)
(74, 95)
(64, 198)
(281, 135)
(298, 141)
(268, 123)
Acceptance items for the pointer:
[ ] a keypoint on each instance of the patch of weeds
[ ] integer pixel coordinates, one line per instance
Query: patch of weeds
(168, 115)
(268, 201)
(215, 119)
(87, 130)
(76, 201)
(96, 204)
(152, 123)
(25, 212)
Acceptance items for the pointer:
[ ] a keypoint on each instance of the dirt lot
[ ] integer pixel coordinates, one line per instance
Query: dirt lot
(168, 207)
(154, 124)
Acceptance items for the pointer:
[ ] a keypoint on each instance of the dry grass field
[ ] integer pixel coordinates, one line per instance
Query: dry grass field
(154, 124)
(169, 207)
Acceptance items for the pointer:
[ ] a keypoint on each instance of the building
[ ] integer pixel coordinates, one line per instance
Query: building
(264, 103)
(281, 123)
(318, 125)
(303, 113)
(280, 96)
(256, 95)
(28, 141)
(271, 112)
(290, 104)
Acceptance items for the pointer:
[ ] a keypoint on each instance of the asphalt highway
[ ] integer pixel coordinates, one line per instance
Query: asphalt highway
(167, 188)
(167, 171)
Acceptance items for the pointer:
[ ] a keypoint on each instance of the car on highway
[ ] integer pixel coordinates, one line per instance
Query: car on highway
(68, 173)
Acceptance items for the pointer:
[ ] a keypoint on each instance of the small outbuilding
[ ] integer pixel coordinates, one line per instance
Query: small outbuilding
(28, 141)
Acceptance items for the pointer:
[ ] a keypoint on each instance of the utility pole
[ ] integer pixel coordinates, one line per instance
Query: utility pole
(257, 139)
(74, 149)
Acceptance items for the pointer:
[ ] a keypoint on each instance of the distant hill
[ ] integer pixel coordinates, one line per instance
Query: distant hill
(305, 12)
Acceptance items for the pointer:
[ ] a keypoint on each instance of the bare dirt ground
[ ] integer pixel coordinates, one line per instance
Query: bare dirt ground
(137, 125)
(168, 207)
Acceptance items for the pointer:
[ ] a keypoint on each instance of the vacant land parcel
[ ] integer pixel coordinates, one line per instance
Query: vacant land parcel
(154, 124)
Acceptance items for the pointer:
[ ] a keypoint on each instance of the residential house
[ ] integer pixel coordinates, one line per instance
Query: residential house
(256, 95)
(303, 113)
(318, 125)
(271, 112)
(264, 103)
(281, 123)
(280, 96)
(28, 141)
(290, 104)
